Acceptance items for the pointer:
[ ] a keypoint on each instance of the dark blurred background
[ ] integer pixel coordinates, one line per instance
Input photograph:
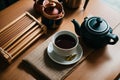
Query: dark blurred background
(6, 3)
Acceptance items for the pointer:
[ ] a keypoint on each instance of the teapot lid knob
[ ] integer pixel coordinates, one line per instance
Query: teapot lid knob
(98, 22)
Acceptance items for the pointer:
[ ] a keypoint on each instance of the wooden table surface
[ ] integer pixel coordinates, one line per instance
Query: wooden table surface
(101, 64)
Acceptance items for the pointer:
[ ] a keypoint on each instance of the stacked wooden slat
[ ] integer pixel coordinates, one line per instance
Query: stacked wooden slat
(19, 34)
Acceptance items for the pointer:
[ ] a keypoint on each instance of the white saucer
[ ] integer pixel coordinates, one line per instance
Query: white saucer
(60, 60)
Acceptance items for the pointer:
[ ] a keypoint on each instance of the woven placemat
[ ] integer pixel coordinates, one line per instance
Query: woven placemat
(39, 61)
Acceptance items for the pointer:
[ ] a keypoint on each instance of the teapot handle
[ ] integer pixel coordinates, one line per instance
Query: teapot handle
(113, 38)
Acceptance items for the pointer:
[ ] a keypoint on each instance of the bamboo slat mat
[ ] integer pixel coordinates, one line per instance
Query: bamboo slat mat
(18, 35)
(40, 62)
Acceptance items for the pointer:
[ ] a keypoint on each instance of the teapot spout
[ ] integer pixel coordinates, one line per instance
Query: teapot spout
(76, 26)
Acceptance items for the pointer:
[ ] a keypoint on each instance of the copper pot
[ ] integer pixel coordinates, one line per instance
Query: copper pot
(52, 14)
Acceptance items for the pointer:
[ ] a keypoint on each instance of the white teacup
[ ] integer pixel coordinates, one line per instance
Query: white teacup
(64, 43)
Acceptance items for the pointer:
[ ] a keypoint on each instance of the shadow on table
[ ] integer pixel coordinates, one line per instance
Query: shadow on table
(3, 64)
(99, 56)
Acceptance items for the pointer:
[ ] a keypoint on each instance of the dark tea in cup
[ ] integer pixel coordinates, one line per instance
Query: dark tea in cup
(65, 41)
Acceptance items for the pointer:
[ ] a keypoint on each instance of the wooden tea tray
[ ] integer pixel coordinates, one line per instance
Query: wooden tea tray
(18, 35)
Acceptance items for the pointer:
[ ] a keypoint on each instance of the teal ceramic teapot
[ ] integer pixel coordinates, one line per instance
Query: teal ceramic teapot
(95, 32)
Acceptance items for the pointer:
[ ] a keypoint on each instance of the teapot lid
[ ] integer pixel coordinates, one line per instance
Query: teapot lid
(97, 25)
